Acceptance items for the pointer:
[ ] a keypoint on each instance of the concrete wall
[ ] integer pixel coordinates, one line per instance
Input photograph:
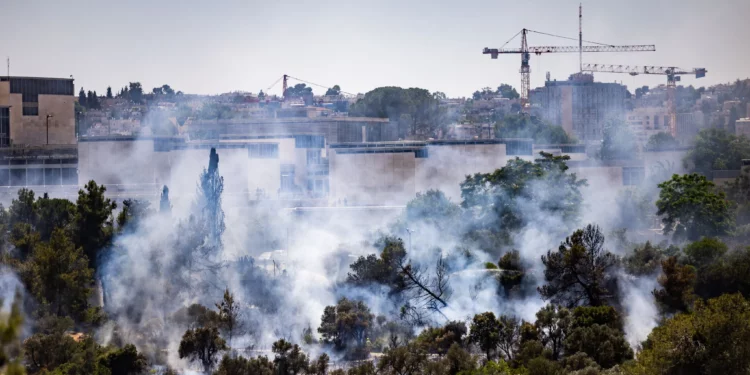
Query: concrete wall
(664, 163)
(448, 165)
(122, 162)
(32, 130)
(372, 178)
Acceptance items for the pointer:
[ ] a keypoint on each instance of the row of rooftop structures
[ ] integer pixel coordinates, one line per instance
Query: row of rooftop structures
(335, 160)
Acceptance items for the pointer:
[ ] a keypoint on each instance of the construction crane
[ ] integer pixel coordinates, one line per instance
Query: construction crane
(285, 78)
(673, 76)
(525, 51)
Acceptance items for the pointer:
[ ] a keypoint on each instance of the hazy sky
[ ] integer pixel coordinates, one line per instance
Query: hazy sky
(216, 46)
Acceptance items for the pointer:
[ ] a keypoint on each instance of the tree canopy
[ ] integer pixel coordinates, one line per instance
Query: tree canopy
(691, 207)
(525, 126)
(416, 111)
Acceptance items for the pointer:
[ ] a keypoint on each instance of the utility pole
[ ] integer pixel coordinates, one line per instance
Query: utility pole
(48, 117)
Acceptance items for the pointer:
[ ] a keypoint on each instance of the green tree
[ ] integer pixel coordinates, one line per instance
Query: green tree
(691, 207)
(82, 99)
(711, 340)
(677, 282)
(507, 91)
(434, 210)
(553, 323)
(135, 92)
(384, 270)
(525, 126)
(498, 201)
(717, 149)
(289, 360)
(93, 220)
(439, 340)
(597, 331)
(334, 91)
(618, 142)
(124, 361)
(415, 110)
(299, 90)
(513, 272)
(165, 206)
(229, 314)
(209, 201)
(349, 322)
(484, 331)
(404, 360)
(646, 258)
(109, 92)
(243, 366)
(133, 212)
(202, 345)
(58, 274)
(581, 272)
(10, 343)
(661, 142)
(53, 213)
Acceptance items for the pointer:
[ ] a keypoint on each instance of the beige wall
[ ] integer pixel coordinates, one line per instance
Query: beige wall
(122, 163)
(599, 176)
(664, 163)
(371, 179)
(448, 165)
(32, 130)
(566, 104)
(264, 174)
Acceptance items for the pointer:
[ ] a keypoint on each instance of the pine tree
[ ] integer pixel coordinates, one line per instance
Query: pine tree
(209, 201)
(82, 98)
(109, 92)
(165, 206)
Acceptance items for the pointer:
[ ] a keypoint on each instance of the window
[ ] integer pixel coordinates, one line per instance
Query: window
(632, 176)
(4, 127)
(69, 176)
(52, 176)
(31, 109)
(35, 176)
(263, 151)
(17, 177)
(313, 157)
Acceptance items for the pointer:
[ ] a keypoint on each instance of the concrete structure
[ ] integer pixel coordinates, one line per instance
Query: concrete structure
(742, 127)
(647, 121)
(581, 106)
(37, 111)
(689, 124)
(334, 129)
(391, 173)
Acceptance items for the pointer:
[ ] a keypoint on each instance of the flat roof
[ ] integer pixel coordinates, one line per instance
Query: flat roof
(6, 78)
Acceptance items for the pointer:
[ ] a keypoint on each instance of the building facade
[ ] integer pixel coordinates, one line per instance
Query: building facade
(647, 121)
(581, 106)
(37, 111)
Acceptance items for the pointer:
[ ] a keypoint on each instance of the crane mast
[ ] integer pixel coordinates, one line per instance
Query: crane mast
(525, 51)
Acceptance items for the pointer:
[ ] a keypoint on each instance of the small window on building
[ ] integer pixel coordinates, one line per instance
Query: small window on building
(313, 157)
(632, 176)
(29, 110)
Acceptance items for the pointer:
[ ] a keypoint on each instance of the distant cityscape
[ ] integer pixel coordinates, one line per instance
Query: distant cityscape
(54, 135)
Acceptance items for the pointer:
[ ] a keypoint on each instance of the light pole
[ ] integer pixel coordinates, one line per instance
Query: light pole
(410, 232)
(48, 117)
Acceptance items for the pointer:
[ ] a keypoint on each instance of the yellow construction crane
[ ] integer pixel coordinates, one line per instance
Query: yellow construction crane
(673, 76)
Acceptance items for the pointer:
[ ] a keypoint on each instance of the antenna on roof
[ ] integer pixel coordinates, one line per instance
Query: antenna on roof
(8, 61)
